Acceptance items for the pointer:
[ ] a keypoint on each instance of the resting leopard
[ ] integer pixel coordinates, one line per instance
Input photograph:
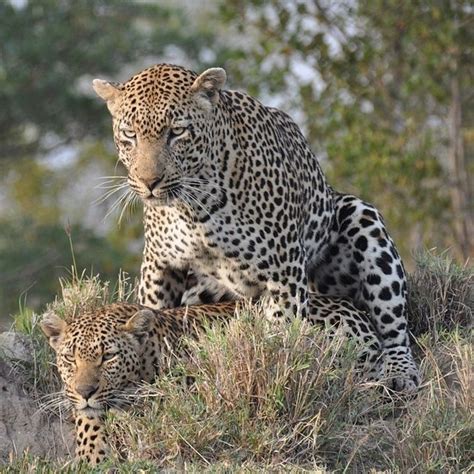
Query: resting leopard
(101, 355)
(233, 193)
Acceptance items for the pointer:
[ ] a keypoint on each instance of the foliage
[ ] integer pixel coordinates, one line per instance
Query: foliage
(37, 378)
(49, 48)
(36, 265)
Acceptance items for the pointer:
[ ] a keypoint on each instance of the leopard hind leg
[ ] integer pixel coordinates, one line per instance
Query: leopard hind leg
(361, 263)
(339, 314)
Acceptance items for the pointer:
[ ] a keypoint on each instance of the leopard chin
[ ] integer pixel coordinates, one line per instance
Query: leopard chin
(91, 411)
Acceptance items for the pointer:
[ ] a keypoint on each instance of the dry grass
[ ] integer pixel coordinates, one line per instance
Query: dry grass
(277, 398)
(262, 394)
(441, 294)
(271, 398)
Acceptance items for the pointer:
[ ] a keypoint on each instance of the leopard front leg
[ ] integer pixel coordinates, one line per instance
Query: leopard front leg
(287, 288)
(91, 441)
(282, 303)
(160, 285)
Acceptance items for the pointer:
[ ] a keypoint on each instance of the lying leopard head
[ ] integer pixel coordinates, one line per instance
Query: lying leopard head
(99, 353)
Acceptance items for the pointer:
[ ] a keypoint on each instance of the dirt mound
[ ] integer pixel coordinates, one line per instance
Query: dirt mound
(22, 426)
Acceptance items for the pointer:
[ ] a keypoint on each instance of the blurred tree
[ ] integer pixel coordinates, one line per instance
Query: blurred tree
(55, 134)
(380, 84)
(33, 256)
(49, 51)
(382, 90)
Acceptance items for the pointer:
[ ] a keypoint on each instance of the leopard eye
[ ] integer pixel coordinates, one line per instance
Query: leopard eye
(129, 134)
(69, 358)
(108, 356)
(177, 131)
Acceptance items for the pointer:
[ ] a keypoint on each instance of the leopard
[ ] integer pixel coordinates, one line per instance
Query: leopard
(232, 192)
(102, 354)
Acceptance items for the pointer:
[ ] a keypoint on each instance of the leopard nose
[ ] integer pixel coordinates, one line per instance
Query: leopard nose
(152, 183)
(86, 391)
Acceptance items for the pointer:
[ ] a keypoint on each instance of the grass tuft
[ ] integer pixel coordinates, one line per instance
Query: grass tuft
(441, 294)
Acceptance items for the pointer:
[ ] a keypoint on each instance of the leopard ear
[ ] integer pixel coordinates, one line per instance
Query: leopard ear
(206, 87)
(139, 325)
(109, 91)
(54, 328)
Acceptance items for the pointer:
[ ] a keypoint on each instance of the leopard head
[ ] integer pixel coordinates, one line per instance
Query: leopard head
(98, 354)
(164, 122)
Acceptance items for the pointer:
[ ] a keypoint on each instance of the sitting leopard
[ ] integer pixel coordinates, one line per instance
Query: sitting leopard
(102, 355)
(233, 193)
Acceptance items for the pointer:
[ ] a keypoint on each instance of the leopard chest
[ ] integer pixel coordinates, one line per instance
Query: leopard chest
(171, 235)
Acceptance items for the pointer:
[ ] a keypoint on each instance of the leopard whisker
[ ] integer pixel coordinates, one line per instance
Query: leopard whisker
(199, 181)
(112, 183)
(111, 177)
(134, 203)
(128, 201)
(58, 404)
(108, 182)
(197, 192)
(199, 186)
(109, 193)
(187, 196)
(120, 399)
(177, 193)
(117, 203)
(51, 395)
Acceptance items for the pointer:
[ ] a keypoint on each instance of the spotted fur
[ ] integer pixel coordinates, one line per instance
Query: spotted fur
(91, 439)
(102, 355)
(233, 193)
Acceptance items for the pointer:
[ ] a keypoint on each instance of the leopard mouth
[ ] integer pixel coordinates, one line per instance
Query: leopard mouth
(164, 196)
(93, 405)
(118, 400)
